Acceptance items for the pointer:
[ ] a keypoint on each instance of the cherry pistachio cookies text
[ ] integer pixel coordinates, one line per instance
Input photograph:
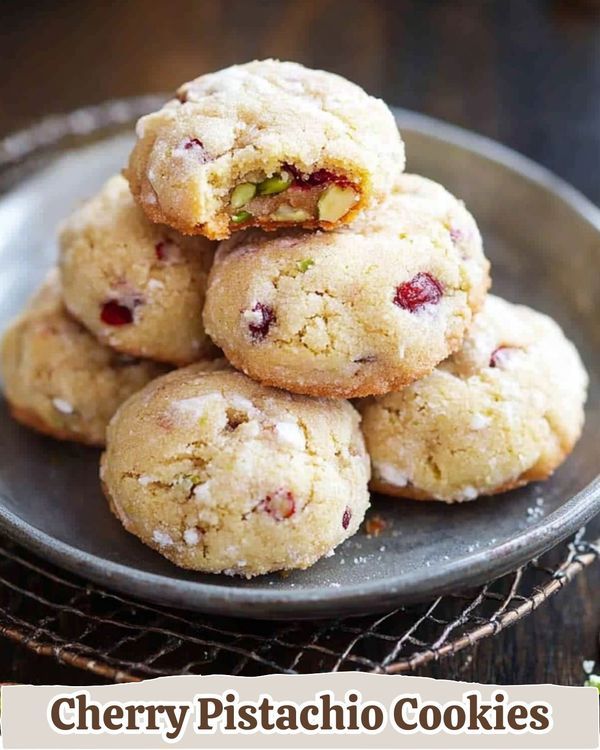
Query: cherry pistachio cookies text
(58, 379)
(221, 474)
(504, 411)
(357, 311)
(265, 144)
(138, 287)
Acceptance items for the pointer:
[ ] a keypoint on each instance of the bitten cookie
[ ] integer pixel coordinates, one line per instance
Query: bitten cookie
(58, 379)
(136, 286)
(504, 411)
(357, 311)
(264, 144)
(220, 474)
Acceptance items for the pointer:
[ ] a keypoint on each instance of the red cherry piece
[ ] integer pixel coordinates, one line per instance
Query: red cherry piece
(346, 517)
(315, 179)
(294, 171)
(500, 355)
(421, 290)
(193, 143)
(195, 149)
(321, 177)
(262, 320)
(167, 250)
(115, 314)
(280, 505)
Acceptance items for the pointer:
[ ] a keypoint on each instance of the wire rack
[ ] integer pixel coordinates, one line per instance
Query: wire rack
(61, 616)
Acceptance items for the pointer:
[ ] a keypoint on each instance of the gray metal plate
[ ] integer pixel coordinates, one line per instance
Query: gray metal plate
(543, 239)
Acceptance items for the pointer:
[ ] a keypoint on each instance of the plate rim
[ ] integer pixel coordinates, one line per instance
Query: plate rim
(372, 595)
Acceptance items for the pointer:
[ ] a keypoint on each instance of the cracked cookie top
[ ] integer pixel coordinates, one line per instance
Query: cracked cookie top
(266, 144)
(221, 474)
(357, 311)
(503, 411)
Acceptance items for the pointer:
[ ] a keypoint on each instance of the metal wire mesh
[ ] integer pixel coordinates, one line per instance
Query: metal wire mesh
(77, 623)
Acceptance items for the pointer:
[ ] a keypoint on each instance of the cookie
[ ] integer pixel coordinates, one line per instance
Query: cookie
(358, 311)
(58, 379)
(264, 144)
(504, 411)
(222, 475)
(137, 286)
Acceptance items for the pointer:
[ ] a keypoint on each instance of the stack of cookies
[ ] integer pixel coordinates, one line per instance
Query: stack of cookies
(266, 246)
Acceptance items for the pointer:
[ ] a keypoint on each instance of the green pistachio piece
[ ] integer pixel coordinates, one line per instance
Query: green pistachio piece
(241, 217)
(285, 212)
(279, 182)
(335, 202)
(242, 194)
(304, 265)
(183, 480)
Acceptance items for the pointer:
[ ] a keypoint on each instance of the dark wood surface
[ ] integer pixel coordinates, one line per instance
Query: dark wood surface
(525, 72)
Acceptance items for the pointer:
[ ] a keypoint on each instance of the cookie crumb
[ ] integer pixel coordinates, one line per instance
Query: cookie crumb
(375, 525)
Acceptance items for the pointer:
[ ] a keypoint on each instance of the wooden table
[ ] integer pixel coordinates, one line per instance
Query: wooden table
(525, 72)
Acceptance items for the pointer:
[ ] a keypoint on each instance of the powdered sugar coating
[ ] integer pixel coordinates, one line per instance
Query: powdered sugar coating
(291, 433)
(252, 119)
(136, 286)
(244, 479)
(58, 379)
(334, 325)
(471, 428)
